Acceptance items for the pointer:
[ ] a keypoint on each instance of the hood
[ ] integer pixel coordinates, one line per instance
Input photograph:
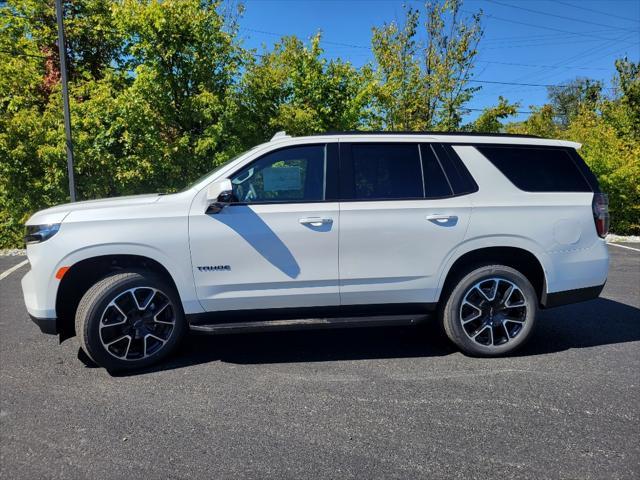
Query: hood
(58, 213)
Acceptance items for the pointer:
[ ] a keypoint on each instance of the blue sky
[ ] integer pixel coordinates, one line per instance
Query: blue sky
(568, 38)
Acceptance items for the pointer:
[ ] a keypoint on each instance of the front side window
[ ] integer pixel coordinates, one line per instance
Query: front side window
(294, 174)
(386, 171)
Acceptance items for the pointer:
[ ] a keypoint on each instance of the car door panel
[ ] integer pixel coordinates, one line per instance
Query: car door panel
(392, 250)
(274, 260)
(271, 248)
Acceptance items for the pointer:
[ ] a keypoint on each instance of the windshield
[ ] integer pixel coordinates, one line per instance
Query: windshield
(211, 172)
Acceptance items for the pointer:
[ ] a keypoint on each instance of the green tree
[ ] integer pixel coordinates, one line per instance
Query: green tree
(607, 128)
(151, 93)
(489, 121)
(294, 88)
(623, 110)
(425, 85)
(567, 100)
(161, 91)
(541, 122)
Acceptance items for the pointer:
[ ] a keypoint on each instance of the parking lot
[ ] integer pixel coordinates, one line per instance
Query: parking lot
(361, 403)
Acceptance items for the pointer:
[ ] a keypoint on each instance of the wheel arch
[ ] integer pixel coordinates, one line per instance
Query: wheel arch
(517, 257)
(86, 272)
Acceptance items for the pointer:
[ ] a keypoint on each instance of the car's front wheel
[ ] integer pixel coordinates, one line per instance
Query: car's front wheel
(491, 311)
(129, 320)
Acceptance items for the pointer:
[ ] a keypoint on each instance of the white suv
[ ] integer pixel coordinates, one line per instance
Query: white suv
(329, 230)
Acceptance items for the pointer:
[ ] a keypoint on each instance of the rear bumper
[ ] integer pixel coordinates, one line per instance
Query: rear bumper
(566, 297)
(46, 325)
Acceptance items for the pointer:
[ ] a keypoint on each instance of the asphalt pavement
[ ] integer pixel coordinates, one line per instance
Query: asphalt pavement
(360, 403)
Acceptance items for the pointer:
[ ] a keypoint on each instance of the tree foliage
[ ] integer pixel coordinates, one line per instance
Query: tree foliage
(607, 128)
(294, 88)
(424, 85)
(489, 121)
(162, 91)
(568, 100)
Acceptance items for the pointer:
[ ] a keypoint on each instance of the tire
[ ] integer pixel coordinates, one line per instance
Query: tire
(482, 318)
(130, 320)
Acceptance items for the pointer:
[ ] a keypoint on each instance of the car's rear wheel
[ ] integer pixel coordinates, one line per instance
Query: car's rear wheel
(129, 320)
(491, 311)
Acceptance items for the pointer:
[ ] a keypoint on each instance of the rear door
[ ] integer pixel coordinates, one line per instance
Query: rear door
(401, 216)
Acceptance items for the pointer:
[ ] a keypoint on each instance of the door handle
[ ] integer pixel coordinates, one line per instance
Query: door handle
(315, 221)
(438, 218)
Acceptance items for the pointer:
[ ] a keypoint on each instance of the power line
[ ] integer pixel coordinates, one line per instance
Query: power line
(498, 82)
(264, 32)
(540, 36)
(538, 44)
(544, 27)
(599, 12)
(489, 108)
(590, 52)
(583, 54)
(538, 65)
(556, 16)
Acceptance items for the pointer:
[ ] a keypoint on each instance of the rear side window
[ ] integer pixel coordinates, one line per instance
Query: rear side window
(385, 171)
(538, 169)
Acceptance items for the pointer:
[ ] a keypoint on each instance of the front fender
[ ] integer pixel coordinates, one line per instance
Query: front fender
(180, 273)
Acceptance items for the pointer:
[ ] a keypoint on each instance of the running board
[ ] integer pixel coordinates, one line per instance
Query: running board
(308, 323)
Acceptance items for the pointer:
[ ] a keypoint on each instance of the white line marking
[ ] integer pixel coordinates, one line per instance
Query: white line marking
(6, 273)
(624, 246)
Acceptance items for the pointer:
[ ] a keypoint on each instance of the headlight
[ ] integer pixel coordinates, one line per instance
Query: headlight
(40, 233)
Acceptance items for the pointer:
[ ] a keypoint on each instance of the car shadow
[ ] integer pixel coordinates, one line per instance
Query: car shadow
(583, 325)
(590, 324)
(250, 227)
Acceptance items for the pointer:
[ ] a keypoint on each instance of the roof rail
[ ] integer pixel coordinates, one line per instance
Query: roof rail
(461, 134)
(279, 135)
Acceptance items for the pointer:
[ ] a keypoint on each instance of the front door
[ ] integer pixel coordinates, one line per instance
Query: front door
(277, 247)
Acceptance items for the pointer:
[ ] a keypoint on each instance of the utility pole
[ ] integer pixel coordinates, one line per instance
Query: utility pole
(65, 99)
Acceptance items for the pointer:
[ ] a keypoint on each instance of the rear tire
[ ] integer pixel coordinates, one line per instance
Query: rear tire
(130, 320)
(490, 312)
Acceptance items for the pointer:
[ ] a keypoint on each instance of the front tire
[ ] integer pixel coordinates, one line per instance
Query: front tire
(491, 311)
(129, 320)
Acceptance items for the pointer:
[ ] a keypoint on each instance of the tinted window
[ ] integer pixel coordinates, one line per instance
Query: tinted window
(436, 184)
(459, 177)
(386, 171)
(287, 175)
(536, 169)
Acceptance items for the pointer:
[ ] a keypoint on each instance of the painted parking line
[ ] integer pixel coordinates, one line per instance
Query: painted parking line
(624, 246)
(6, 273)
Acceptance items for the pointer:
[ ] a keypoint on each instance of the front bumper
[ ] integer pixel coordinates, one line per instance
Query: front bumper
(46, 325)
(36, 292)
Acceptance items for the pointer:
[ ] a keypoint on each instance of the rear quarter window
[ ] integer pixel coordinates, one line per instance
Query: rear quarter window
(538, 169)
(460, 179)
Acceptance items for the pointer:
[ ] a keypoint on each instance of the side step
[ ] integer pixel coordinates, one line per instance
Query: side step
(308, 323)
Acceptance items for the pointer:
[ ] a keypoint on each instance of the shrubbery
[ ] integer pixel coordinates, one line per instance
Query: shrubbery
(161, 92)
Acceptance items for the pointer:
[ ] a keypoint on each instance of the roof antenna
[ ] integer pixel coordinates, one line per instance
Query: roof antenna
(280, 134)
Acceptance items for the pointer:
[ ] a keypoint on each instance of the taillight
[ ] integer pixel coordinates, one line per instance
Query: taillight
(600, 205)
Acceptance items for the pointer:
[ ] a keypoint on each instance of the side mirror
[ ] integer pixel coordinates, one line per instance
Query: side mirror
(219, 195)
